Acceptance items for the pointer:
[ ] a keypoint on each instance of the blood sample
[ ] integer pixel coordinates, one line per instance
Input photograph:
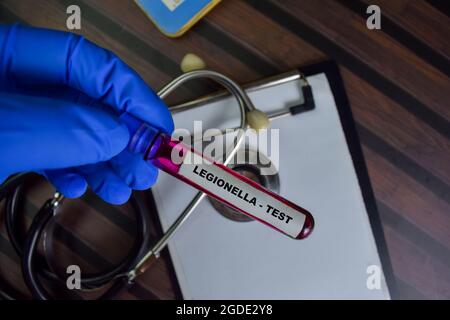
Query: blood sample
(217, 180)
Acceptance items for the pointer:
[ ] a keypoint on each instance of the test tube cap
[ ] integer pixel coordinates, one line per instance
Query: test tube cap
(142, 134)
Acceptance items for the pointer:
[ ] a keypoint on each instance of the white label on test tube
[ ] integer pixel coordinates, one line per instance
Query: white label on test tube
(241, 195)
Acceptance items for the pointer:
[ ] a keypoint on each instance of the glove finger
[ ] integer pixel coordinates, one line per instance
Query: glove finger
(105, 183)
(42, 134)
(60, 93)
(38, 56)
(110, 80)
(70, 183)
(134, 171)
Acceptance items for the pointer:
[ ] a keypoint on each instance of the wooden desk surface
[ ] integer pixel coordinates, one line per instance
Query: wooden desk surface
(397, 81)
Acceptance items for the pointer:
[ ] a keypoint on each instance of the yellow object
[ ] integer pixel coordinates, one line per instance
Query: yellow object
(257, 119)
(192, 62)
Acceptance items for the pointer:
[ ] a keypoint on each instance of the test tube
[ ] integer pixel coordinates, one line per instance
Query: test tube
(217, 180)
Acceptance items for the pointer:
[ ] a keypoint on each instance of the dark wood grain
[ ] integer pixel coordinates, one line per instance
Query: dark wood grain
(398, 95)
(421, 19)
(376, 50)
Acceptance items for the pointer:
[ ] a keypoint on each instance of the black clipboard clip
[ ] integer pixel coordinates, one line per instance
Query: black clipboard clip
(308, 98)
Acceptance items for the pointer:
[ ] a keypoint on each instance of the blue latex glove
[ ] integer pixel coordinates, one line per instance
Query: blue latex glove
(60, 101)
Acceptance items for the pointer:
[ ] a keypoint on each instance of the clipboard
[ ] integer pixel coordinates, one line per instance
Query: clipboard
(215, 258)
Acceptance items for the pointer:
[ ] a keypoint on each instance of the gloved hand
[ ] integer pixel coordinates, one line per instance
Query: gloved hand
(60, 101)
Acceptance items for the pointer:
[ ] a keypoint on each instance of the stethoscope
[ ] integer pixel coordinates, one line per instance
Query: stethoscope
(125, 275)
